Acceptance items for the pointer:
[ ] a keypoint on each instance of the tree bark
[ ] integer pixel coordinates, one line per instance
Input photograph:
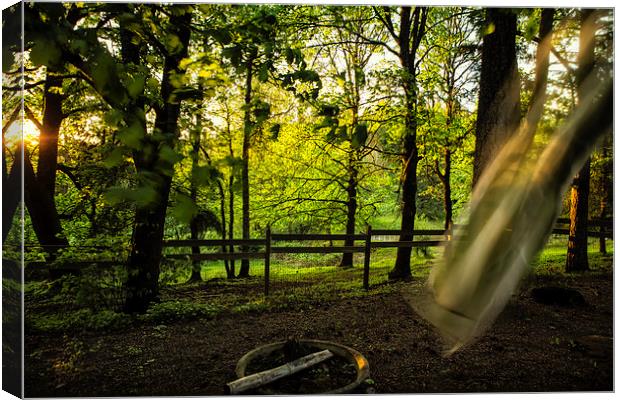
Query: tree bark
(244, 271)
(606, 188)
(44, 217)
(412, 29)
(347, 258)
(231, 206)
(577, 254)
(146, 244)
(498, 104)
(193, 225)
(447, 189)
(39, 188)
(48, 138)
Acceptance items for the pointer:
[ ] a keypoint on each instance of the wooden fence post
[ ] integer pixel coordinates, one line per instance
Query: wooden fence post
(367, 257)
(267, 258)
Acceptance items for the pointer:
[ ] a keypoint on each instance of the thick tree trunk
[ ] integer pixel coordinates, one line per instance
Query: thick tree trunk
(402, 267)
(498, 104)
(347, 258)
(244, 271)
(577, 254)
(412, 29)
(40, 187)
(44, 217)
(146, 244)
(48, 138)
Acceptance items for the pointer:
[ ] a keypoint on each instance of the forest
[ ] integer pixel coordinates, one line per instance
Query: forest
(184, 183)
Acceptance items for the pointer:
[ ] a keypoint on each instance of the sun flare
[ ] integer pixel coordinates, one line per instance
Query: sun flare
(22, 130)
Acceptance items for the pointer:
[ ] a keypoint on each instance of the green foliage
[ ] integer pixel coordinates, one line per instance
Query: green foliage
(171, 311)
(184, 209)
(80, 320)
(45, 52)
(141, 196)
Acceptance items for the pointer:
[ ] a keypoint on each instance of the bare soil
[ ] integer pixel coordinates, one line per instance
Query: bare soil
(531, 348)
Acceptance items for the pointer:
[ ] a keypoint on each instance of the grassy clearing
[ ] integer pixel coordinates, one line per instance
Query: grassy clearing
(298, 281)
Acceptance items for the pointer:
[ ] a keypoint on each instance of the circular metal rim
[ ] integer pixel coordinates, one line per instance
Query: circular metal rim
(360, 362)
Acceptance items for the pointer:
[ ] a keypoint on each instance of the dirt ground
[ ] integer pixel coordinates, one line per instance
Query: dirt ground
(531, 348)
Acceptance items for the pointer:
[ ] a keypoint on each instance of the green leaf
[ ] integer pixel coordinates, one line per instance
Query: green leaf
(132, 135)
(488, 29)
(203, 175)
(263, 73)
(173, 43)
(152, 83)
(360, 134)
(113, 118)
(288, 54)
(44, 52)
(166, 153)
(114, 159)
(184, 209)
(135, 87)
(222, 35)
(275, 131)
(261, 111)
(142, 196)
(233, 53)
(328, 110)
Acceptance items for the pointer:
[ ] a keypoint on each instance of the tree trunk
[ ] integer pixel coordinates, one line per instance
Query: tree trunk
(498, 104)
(347, 258)
(402, 267)
(231, 202)
(193, 225)
(244, 271)
(411, 31)
(196, 265)
(40, 187)
(606, 187)
(48, 138)
(447, 189)
(146, 244)
(577, 254)
(44, 217)
(231, 223)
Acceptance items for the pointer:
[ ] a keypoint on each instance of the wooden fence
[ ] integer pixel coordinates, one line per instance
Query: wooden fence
(268, 249)
(440, 238)
(263, 248)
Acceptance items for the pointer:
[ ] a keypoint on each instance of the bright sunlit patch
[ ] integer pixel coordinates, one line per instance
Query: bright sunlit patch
(22, 129)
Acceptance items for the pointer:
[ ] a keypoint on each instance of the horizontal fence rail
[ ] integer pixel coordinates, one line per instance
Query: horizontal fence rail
(262, 248)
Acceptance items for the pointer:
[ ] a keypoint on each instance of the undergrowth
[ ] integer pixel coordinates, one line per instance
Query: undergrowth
(71, 304)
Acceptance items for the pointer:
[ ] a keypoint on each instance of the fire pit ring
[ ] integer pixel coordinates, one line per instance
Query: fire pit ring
(352, 355)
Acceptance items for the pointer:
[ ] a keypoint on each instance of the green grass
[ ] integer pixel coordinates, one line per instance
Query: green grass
(298, 282)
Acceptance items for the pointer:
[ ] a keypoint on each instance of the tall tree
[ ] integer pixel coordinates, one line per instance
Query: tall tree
(498, 104)
(451, 68)
(407, 30)
(577, 255)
